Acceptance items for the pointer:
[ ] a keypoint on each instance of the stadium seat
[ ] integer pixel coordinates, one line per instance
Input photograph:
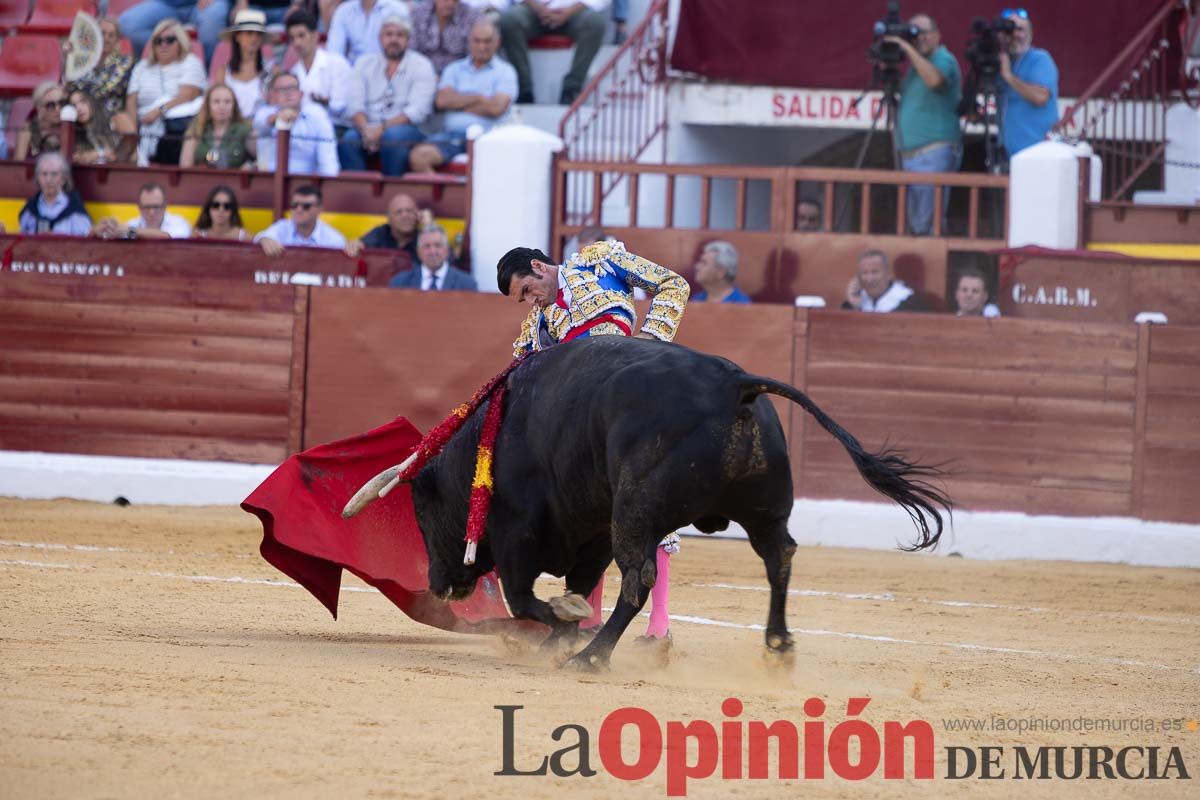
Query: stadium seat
(54, 17)
(18, 115)
(26, 61)
(118, 7)
(13, 13)
(551, 41)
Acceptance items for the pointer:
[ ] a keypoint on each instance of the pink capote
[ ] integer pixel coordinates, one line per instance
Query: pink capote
(304, 536)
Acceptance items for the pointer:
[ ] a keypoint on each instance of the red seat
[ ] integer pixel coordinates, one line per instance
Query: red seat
(13, 13)
(26, 61)
(18, 115)
(551, 41)
(118, 7)
(54, 17)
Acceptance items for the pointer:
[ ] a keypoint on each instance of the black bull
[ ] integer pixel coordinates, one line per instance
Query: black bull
(610, 443)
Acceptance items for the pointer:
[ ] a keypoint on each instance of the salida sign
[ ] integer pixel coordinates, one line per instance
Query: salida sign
(824, 107)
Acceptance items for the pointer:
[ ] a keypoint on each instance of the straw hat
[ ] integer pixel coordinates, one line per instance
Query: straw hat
(248, 19)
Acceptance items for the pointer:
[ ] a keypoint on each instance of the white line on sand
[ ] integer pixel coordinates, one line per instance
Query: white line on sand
(40, 564)
(87, 548)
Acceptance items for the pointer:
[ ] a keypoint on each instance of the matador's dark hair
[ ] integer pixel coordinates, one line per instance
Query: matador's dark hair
(517, 263)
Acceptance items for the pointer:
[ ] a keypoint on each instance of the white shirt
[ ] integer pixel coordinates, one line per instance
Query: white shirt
(173, 225)
(427, 276)
(354, 33)
(313, 145)
(155, 84)
(410, 90)
(330, 78)
(284, 231)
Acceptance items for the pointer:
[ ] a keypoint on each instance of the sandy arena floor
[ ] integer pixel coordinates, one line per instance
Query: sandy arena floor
(150, 652)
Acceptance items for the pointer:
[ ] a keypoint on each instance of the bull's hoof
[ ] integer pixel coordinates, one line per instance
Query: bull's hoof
(779, 654)
(571, 607)
(585, 662)
(655, 649)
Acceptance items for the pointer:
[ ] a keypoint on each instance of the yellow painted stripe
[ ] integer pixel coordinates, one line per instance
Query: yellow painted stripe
(352, 226)
(1174, 252)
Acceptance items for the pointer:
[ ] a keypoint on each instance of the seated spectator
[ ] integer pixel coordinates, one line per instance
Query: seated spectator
(391, 95)
(56, 207)
(220, 218)
(477, 90)
(165, 93)
(440, 30)
(582, 20)
(100, 139)
(312, 148)
(304, 228)
(324, 76)
(435, 273)
(109, 79)
(219, 136)
(40, 134)
(246, 73)
(354, 29)
(809, 215)
(971, 295)
(874, 287)
(399, 232)
(208, 17)
(152, 222)
(716, 272)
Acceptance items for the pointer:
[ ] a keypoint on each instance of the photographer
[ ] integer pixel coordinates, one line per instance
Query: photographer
(928, 135)
(1029, 98)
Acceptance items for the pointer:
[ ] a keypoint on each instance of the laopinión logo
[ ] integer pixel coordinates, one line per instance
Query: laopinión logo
(852, 750)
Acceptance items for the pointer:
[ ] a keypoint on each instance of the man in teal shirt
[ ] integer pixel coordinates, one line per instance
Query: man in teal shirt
(928, 135)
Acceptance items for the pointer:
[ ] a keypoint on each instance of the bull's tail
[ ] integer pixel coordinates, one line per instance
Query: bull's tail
(886, 471)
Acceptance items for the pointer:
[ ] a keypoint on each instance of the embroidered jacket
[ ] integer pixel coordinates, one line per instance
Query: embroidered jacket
(595, 296)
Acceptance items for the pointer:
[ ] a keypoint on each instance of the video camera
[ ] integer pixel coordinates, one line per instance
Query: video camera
(984, 47)
(888, 54)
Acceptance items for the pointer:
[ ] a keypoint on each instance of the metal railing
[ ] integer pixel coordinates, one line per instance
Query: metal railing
(623, 109)
(1123, 114)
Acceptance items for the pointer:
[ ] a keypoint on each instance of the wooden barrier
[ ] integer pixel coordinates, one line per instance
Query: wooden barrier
(1029, 415)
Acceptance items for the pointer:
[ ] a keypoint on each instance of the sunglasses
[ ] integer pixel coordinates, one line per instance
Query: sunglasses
(53, 105)
(1014, 12)
(221, 205)
(161, 40)
(299, 206)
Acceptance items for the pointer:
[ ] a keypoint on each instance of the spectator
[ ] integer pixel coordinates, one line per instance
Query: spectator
(324, 76)
(435, 273)
(165, 93)
(220, 217)
(928, 134)
(312, 148)
(304, 228)
(276, 11)
(246, 73)
(1029, 95)
(56, 207)
(141, 22)
(40, 134)
(398, 233)
(441, 29)
(109, 79)
(581, 20)
(152, 222)
(716, 272)
(477, 90)
(971, 295)
(99, 139)
(809, 215)
(620, 15)
(875, 289)
(391, 95)
(219, 136)
(354, 31)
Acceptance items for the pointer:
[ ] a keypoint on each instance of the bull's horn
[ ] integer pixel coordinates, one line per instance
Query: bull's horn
(377, 487)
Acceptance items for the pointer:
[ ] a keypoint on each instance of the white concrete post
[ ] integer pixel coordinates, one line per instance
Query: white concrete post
(510, 196)
(1182, 183)
(1043, 199)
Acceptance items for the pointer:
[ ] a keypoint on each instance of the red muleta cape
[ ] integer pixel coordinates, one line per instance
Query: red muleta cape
(304, 536)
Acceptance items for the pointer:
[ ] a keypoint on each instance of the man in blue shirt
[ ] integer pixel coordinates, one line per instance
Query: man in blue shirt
(716, 272)
(476, 90)
(1029, 96)
(304, 228)
(312, 148)
(354, 29)
(928, 135)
